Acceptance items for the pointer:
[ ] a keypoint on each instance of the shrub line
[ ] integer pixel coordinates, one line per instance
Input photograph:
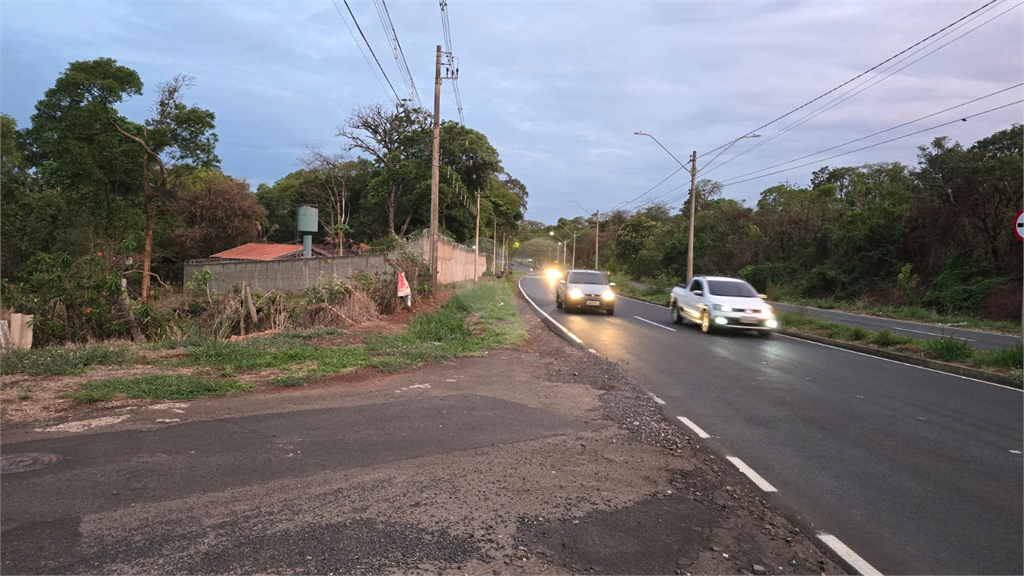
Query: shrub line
(936, 365)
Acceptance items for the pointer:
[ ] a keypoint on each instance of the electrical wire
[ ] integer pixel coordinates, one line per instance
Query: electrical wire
(651, 189)
(843, 98)
(358, 45)
(880, 64)
(880, 132)
(356, 22)
(396, 46)
(447, 29)
(964, 119)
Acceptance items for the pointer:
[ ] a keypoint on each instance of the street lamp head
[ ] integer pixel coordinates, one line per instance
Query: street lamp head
(752, 136)
(551, 233)
(640, 133)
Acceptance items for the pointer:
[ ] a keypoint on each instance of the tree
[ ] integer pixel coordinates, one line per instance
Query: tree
(177, 133)
(328, 187)
(394, 140)
(81, 142)
(215, 214)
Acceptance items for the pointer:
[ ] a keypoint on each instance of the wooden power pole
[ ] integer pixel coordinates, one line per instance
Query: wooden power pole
(435, 173)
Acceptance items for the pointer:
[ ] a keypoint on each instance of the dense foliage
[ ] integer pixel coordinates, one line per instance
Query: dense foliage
(84, 180)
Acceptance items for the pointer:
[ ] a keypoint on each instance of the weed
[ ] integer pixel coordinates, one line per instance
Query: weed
(155, 387)
(25, 393)
(290, 380)
(949, 349)
(61, 361)
(844, 332)
(887, 339)
(1012, 357)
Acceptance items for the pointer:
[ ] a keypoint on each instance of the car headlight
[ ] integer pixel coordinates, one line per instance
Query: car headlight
(722, 308)
(575, 293)
(772, 324)
(767, 314)
(608, 295)
(553, 274)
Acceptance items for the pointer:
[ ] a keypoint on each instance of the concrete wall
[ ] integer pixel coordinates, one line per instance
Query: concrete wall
(454, 263)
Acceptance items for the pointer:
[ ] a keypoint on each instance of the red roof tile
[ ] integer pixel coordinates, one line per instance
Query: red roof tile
(253, 251)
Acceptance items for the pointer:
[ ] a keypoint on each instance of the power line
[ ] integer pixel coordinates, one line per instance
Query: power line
(358, 45)
(898, 126)
(628, 202)
(887, 60)
(454, 71)
(843, 98)
(396, 46)
(393, 91)
(964, 119)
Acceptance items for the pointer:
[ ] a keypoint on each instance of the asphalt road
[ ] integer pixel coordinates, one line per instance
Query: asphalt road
(976, 338)
(915, 471)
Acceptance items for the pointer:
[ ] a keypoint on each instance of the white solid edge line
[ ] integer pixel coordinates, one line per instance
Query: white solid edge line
(1003, 386)
(694, 427)
(654, 323)
(858, 563)
(761, 482)
(662, 402)
(641, 301)
(929, 333)
(534, 304)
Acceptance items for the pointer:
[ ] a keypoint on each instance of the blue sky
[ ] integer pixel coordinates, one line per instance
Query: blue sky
(559, 88)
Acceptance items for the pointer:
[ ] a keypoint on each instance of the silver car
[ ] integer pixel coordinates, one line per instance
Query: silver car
(721, 302)
(585, 290)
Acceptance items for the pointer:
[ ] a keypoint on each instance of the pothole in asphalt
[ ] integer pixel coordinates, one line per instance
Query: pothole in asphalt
(26, 462)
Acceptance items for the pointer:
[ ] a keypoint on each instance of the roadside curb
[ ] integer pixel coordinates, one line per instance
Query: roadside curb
(913, 360)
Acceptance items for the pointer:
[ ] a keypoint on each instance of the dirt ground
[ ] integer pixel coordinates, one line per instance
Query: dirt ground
(630, 494)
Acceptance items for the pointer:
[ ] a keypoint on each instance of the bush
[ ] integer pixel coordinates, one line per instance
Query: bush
(1006, 358)
(949, 349)
(887, 339)
(959, 287)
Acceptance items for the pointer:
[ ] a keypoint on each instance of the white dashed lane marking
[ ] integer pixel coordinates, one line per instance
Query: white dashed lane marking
(761, 482)
(694, 427)
(654, 323)
(656, 399)
(858, 563)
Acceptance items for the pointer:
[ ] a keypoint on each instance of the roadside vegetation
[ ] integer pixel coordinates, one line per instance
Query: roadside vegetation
(477, 317)
(1008, 362)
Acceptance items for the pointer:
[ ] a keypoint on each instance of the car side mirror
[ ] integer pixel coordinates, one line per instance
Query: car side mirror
(698, 292)
(763, 296)
(561, 281)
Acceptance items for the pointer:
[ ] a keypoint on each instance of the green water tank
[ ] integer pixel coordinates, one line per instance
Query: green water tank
(307, 219)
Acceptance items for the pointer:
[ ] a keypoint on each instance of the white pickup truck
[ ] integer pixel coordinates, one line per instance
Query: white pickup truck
(721, 302)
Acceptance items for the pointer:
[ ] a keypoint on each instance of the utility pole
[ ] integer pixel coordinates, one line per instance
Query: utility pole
(597, 236)
(476, 247)
(494, 258)
(693, 214)
(435, 173)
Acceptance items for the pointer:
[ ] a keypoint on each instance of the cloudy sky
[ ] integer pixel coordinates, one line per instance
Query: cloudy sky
(560, 88)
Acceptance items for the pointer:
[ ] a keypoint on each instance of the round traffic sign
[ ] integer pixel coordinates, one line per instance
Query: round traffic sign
(1018, 226)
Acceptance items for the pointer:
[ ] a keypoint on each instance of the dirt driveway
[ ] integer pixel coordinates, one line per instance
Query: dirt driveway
(599, 483)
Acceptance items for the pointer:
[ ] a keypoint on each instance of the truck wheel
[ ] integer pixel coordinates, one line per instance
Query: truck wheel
(705, 322)
(677, 316)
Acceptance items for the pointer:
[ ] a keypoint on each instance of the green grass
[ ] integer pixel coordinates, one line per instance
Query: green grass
(478, 317)
(949, 349)
(917, 313)
(656, 294)
(946, 349)
(61, 361)
(290, 380)
(155, 387)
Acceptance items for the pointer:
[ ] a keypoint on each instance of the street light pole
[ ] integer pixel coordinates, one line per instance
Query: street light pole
(560, 242)
(693, 170)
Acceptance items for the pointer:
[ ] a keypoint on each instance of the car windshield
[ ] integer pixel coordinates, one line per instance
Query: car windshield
(731, 288)
(587, 278)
